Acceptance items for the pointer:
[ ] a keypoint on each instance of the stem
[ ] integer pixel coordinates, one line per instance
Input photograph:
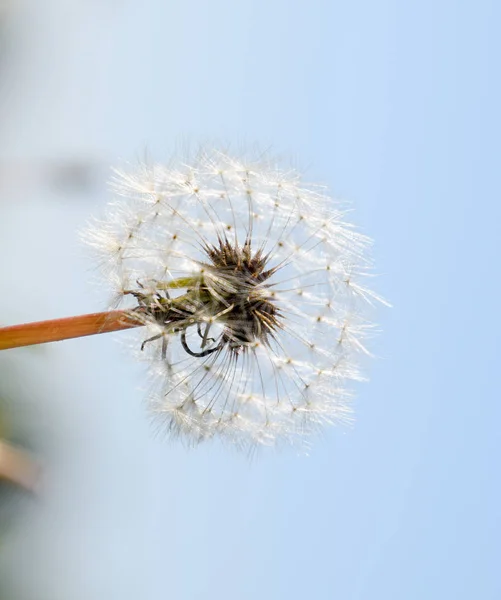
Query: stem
(65, 329)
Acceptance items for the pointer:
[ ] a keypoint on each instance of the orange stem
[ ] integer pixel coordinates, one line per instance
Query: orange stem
(65, 329)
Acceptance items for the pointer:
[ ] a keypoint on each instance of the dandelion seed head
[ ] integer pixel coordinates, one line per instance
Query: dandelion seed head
(250, 285)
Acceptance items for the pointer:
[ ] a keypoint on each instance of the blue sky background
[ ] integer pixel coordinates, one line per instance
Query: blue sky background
(395, 106)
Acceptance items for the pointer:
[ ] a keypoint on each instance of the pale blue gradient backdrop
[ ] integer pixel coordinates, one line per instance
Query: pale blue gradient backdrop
(395, 106)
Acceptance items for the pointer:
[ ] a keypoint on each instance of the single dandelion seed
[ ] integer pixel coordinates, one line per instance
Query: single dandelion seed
(249, 287)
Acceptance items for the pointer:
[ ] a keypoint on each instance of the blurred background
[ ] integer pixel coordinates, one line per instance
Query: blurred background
(395, 106)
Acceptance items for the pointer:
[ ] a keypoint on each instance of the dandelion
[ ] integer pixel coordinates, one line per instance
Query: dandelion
(249, 286)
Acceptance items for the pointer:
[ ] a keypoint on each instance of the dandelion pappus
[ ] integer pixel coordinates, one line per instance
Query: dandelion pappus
(267, 274)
